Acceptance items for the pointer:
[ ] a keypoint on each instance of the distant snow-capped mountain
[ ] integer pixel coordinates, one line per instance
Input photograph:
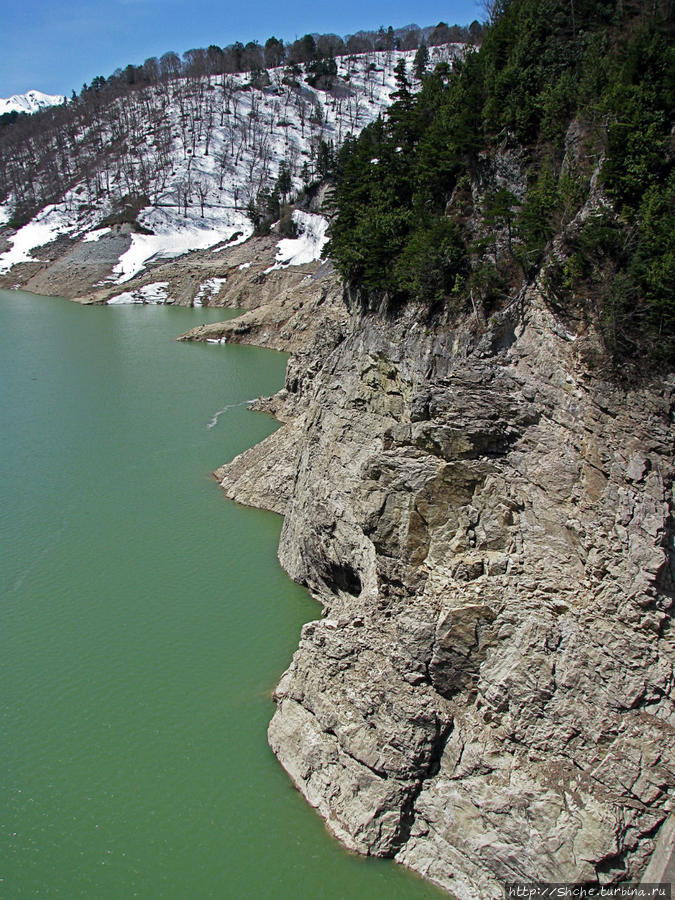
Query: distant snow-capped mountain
(29, 102)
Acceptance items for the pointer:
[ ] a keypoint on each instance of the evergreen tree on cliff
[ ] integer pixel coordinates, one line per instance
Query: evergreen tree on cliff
(582, 94)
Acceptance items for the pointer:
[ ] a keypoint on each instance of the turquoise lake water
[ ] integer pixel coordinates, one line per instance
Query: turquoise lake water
(145, 621)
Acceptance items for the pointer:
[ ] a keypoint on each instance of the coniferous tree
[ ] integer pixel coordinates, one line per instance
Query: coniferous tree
(421, 61)
(410, 226)
(274, 52)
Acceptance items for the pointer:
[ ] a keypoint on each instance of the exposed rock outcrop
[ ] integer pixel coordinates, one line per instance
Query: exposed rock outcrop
(489, 527)
(303, 315)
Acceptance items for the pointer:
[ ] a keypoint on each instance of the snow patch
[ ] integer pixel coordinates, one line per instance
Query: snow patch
(245, 266)
(95, 235)
(56, 220)
(307, 247)
(173, 235)
(208, 290)
(43, 229)
(149, 293)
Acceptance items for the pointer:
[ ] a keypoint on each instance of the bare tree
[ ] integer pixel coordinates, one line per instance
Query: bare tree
(202, 188)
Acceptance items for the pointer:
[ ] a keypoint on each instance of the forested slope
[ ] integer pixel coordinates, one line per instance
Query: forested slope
(551, 145)
(189, 158)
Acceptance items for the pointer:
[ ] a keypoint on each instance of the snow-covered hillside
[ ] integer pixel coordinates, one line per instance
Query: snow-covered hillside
(29, 102)
(200, 150)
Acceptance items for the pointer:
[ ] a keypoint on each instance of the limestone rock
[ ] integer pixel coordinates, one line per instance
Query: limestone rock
(489, 528)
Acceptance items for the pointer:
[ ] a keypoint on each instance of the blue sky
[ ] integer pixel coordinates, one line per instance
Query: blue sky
(55, 46)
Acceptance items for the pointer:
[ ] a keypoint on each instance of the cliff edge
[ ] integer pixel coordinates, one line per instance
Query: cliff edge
(488, 525)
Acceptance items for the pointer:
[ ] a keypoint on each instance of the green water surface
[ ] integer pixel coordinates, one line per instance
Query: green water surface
(145, 620)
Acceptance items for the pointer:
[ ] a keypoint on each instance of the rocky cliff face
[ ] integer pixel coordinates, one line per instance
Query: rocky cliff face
(488, 525)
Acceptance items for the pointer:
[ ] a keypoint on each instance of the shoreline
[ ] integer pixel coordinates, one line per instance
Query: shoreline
(350, 417)
(445, 507)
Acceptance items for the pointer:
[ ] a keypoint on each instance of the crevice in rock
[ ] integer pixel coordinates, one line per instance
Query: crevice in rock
(378, 773)
(329, 730)
(408, 809)
(612, 868)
